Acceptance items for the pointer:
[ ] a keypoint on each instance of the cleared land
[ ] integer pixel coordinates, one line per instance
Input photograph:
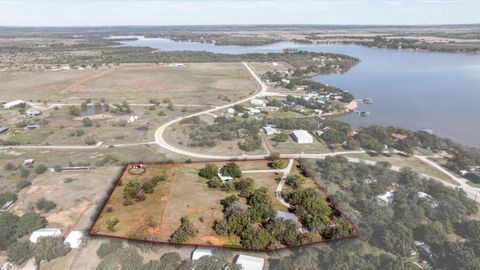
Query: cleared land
(183, 193)
(200, 83)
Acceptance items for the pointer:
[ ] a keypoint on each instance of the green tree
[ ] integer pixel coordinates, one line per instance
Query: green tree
(45, 205)
(8, 223)
(109, 247)
(280, 137)
(294, 181)
(30, 222)
(209, 171)
(49, 248)
(277, 164)
(41, 168)
(19, 252)
(231, 169)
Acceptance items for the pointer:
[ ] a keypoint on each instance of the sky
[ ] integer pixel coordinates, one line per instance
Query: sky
(218, 12)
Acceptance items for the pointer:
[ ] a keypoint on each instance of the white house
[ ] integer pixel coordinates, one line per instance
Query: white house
(429, 198)
(250, 262)
(47, 232)
(223, 177)
(28, 162)
(385, 198)
(200, 252)
(74, 239)
(13, 104)
(32, 113)
(269, 130)
(286, 216)
(302, 136)
(258, 103)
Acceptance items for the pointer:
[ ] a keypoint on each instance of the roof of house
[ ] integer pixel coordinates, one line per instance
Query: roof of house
(74, 239)
(52, 232)
(13, 103)
(302, 134)
(3, 129)
(386, 197)
(286, 216)
(250, 262)
(200, 252)
(223, 177)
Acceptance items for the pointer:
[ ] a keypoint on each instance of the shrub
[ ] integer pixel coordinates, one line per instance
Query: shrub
(7, 197)
(111, 223)
(9, 166)
(40, 169)
(30, 222)
(185, 231)
(45, 205)
(209, 171)
(278, 164)
(90, 141)
(23, 184)
(280, 137)
(109, 247)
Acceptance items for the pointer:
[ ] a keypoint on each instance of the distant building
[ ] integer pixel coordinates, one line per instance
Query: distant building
(286, 216)
(385, 198)
(47, 232)
(4, 129)
(270, 109)
(302, 136)
(28, 162)
(200, 252)
(32, 113)
(250, 262)
(270, 130)
(74, 239)
(32, 126)
(428, 131)
(429, 198)
(13, 104)
(258, 103)
(223, 177)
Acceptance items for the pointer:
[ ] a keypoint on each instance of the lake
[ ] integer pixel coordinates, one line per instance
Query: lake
(413, 90)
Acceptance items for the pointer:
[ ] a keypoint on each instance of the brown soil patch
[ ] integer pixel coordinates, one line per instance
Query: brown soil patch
(212, 240)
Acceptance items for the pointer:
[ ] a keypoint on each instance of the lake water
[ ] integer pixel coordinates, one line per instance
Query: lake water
(413, 90)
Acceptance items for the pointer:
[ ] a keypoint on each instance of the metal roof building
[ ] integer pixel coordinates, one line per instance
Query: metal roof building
(200, 252)
(250, 262)
(47, 232)
(302, 136)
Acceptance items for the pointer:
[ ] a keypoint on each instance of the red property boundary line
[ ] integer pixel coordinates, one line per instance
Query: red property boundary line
(356, 232)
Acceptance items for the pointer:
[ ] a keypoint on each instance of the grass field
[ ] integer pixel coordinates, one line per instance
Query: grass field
(411, 162)
(194, 83)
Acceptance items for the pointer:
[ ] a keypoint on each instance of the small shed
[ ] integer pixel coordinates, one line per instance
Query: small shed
(74, 239)
(28, 162)
(4, 129)
(200, 252)
(250, 262)
(47, 232)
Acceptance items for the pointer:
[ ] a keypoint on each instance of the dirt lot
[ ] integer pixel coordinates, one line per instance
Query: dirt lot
(75, 193)
(191, 84)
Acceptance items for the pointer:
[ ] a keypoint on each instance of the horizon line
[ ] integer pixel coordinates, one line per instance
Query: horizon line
(218, 25)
